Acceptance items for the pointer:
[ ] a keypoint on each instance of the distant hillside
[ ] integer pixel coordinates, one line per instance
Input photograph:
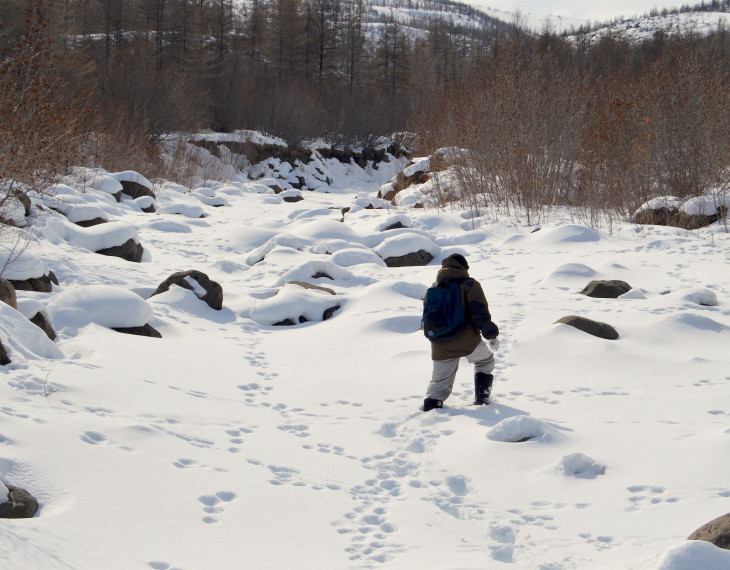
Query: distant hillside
(419, 15)
(644, 28)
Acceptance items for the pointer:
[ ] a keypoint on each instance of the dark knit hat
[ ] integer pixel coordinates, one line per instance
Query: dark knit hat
(460, 259)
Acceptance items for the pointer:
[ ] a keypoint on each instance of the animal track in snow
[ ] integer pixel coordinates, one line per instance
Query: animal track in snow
(157, 565)
(300, 430)
(642, 495)
(601, 542)
(93, 437)
(212, 504)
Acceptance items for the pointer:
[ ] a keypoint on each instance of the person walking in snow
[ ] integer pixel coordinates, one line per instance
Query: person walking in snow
(468, 343)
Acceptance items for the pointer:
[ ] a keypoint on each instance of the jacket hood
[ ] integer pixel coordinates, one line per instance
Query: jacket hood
(451, 271)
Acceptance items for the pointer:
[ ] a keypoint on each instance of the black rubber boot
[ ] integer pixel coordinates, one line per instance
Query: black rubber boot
(430, 404)
(482, 388)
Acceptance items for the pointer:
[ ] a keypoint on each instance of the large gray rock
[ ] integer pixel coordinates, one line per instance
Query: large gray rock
(42, 323)
(716, 531)
(20, 504)
(606, 289)
(420, 257)
(129, 250)
(7, 293)
(595, 328)
(213, 291)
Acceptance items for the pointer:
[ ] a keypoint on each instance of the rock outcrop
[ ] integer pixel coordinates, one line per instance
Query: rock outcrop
(595, 328)
(206, 289)
(716, 531)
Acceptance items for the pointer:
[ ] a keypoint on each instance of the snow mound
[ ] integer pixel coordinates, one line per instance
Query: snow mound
(104, 305)
(634, 294)
(291, 302)
(698, 296)
(521, 428)
(570, 271)
(568, 234)
(20, 336)
(687, 320)
(165, 225)
(580, 465)
(690, 555)
(318, 230)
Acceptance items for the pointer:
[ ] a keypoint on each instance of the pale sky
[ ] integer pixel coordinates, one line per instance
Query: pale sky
(596, 10)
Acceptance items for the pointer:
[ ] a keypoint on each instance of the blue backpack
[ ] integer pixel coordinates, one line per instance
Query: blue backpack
(444, 315)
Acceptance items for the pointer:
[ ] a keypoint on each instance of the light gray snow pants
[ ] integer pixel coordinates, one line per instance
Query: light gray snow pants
(444, 371)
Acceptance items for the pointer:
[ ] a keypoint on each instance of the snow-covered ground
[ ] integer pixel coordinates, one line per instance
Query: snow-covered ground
(231, 443)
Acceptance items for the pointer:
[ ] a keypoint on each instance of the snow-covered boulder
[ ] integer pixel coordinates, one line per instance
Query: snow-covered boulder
(264, 186)
(199, 283)
(146, 203)
(86, 215)
(660, 211)
(134, 184)
(26, 271)
(295, 303)
(114, 238)
(691, 213)
(106, 184)
(408, 249)
(105, 305)
(38, 314)
(22, 338)
(291, 195)
(352, 256)
(701, 211)
(394, 223)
